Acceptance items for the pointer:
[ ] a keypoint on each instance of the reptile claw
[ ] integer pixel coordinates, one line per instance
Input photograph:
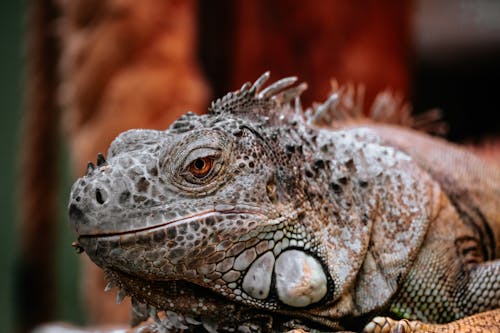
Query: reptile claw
(388, 325)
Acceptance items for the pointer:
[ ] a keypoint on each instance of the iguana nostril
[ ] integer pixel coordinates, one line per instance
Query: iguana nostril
(100, 196)
(75, 213)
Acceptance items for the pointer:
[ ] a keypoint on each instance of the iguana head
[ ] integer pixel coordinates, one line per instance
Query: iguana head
(253, 207)
(211, 201)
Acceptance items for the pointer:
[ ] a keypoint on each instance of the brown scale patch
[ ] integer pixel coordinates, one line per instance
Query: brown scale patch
(469, 251)
(142, 184)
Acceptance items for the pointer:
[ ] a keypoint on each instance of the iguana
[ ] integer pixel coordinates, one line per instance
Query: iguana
(257, 217)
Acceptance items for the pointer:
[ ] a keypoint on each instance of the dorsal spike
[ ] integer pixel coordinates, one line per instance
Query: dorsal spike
(270, 105)
(277, 87)
(298, 107)
(323, 112)
(245, 86)
(359, 100)
(293, 93)
(260, 82)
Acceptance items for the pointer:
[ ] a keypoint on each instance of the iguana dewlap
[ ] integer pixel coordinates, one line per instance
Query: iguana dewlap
(254, 217)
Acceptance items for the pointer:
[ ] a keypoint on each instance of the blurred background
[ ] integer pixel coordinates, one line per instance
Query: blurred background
(76, 73)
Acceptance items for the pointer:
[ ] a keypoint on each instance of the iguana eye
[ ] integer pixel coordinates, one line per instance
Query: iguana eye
(198, 163)
(200, 167)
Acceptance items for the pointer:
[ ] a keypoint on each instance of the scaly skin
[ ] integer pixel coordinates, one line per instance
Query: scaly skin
(253, 217)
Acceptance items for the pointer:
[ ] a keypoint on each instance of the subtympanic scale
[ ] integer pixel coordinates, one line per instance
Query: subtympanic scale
(300, 279)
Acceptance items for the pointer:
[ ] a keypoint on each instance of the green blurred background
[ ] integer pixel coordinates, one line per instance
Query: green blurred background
(12, 21)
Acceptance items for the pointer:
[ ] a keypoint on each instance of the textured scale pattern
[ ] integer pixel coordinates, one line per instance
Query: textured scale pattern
(256, 217)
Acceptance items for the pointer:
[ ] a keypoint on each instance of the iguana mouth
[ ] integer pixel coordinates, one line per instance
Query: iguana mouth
(165, 251)
(188, 300)
(185, 219)
(176, 295)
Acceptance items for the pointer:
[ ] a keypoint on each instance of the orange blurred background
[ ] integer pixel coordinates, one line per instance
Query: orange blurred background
(94, 68)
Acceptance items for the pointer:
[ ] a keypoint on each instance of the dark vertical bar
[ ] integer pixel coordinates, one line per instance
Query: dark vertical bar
(216, 29)
(35, 293)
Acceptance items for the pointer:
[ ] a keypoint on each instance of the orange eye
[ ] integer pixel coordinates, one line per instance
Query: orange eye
(200, 167)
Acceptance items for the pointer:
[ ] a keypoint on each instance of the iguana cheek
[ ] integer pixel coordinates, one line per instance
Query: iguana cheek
(300, 279)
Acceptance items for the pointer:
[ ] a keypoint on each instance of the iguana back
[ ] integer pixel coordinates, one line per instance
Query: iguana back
(472, 184)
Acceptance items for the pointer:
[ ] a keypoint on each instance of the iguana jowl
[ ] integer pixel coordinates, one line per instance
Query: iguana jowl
(255, 211)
